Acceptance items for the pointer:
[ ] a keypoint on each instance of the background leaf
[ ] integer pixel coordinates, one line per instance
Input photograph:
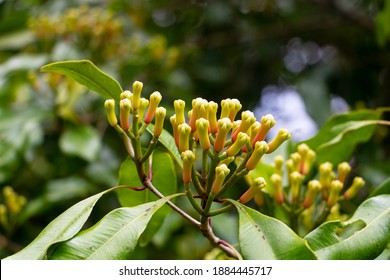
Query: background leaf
(339, 136)
(113, 237)
(364, 236)
(87, 74)
(64, 227)
(263, 237)
(383, 188)
(164, 179)
(82, 141)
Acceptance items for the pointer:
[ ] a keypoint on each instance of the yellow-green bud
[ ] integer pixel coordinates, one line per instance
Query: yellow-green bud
(137, 88)
(227, 161)
(234, 109)
(203, 108)
(159, 122)
(258, 184)
(343, 169)
(109, 104)
(221, 171)
(224, 126)
(184, 136)
(212, 117)
(335, 188)
(326, 176)
(175, 129)
(303, 149)
(267, 122)
(179, 111)
(276, 181)
(247, 119)
(314, 187)
(202, 126)
(241, 140)
(282, 136)
(154, 101)
(278, 164)
(143, 104)
(226, 107)
(124, 113)
(126, 94)
(296, 179)
(259, 150)
(188, 158)
(196, 104)
(357, 184)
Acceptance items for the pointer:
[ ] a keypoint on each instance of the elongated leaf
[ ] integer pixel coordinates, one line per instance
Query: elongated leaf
(87, 74)
(384, 188)
(368, 238)
(113, 237)
(64, 227)
(340, 135)
(167, 140)
(164, 179)
(263, 237)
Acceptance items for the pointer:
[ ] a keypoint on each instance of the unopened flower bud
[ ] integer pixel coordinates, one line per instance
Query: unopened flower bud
(188, 158)
(202, 126)
(212, 117)
(267, 122)
(124, 113)
(278, 164)
(227, 161)
(221, 171)
(296, 179)
(335, 188)
(126, 94)
(276, 181)
(137, 88)
(343, 169)
(203, 111)
(259, 150)
(224, 126)
(159, 121)
(109, 104)
(234, 109)
(282, 136)
(247, 119)
(196, 105)
(154, 101)
(226, 107)
(241, 140)
(184, 136)
(143, 104)
(326, 176)
(314, 187)
(258, 184)
(179, 111)
(175, 129)
(357, 184)
(3, 215)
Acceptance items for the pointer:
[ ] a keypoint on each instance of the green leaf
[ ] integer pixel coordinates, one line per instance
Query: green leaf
(167, 140)
(164, 179)
(383, 188)
(364, 236)
(64, 227)
(339, 136)
(263, 237)
(113, 237)
(87, 74)
(82, 141)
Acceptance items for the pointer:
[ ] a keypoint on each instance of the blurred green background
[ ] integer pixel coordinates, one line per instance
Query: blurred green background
(308, 59)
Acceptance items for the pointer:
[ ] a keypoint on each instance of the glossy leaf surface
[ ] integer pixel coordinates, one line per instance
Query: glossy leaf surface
(87, 74)
(364, 236)
(266, 238)
(64, 227)
(113, 237)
